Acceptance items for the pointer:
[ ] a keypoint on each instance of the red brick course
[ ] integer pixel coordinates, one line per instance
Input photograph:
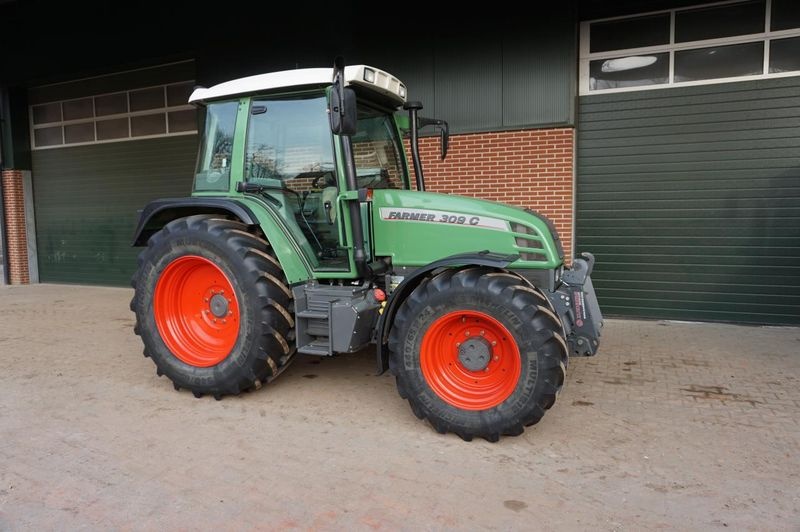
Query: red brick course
(529, 168)
(14, 207)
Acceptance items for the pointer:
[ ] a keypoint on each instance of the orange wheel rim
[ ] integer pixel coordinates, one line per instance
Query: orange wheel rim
(470, 360)
(196, 311)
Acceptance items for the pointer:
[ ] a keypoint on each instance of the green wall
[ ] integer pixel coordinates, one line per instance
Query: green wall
(690, 199)
(86, 202)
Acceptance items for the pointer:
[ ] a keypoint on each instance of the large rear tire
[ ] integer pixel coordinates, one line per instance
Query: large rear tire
(213, 307)
(478, 352)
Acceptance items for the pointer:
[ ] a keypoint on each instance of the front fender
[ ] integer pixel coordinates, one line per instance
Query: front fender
(404, 289)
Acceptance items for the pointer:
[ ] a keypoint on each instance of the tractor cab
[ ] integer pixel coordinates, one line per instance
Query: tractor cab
(288, 156)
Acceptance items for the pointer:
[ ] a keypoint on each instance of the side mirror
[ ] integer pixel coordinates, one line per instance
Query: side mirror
(444, 130)
(342, 111)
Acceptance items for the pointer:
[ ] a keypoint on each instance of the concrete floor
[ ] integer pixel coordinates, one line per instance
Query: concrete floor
(673, 426)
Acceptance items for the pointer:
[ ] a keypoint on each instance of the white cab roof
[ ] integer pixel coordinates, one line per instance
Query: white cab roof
(382, 82)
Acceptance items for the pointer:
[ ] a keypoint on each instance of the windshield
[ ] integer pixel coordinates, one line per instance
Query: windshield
(377, 151)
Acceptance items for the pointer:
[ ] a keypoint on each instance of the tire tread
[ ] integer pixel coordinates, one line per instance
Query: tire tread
(272, 351)
(514, 292)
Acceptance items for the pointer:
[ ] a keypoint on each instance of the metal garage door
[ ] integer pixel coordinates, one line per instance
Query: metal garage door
(690, 199)
(86, 200)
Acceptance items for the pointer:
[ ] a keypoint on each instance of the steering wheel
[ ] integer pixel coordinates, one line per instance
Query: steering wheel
(323, 181)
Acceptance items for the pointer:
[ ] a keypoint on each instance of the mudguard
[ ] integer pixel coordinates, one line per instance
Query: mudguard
(160, 212)
(480, 258)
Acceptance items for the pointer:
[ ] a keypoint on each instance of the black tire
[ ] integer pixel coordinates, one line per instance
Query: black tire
(522, 310)
(265, 342)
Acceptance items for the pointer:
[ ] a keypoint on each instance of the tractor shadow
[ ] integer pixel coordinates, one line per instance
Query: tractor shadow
(352, 374)
(344, 366)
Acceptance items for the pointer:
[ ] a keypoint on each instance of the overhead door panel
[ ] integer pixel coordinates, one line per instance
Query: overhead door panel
(86, 201)
(690, 199)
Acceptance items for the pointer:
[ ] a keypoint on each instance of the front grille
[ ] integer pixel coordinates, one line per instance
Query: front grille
(528, 243)
(519, 228)
(553, 231)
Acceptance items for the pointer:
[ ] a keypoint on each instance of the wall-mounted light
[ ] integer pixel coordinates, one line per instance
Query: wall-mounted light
(628, 63)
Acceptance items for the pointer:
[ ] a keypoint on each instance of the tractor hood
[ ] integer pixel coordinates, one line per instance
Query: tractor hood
(417, 228)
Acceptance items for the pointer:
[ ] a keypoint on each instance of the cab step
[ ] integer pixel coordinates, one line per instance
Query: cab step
(318, 347)
(333, 318)
(312, 315)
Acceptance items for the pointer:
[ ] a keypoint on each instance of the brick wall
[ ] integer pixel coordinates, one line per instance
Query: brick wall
(14, 207)
(530, 168)
(379, 154)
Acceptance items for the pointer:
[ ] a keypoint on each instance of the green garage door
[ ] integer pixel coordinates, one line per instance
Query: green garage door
(690, 199)
(86, 200)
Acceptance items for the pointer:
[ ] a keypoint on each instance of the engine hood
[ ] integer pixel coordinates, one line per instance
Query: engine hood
(417, 228)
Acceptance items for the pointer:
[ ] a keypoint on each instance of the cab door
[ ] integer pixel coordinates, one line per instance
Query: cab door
(289, 152)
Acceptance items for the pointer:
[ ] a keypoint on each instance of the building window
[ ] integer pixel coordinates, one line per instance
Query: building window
(713, 43)
(129, 115)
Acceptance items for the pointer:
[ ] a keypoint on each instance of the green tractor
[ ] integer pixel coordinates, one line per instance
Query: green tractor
(303, 234)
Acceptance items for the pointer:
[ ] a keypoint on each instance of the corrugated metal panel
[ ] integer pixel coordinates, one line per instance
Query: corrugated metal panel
(690, 200)
(539, 74)
(506, 71)
(86, 201)
(145, 77)
(413, 64)
(469, 91)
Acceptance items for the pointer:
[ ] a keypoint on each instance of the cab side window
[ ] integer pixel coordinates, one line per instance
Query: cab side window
(214, 161)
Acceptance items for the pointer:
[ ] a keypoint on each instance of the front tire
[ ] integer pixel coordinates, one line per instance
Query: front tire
(213, 307)
(478, 352)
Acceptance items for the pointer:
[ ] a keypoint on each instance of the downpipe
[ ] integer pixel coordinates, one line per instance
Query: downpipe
(4, 274)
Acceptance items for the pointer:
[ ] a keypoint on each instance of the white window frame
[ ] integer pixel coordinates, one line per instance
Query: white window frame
(585, 56)
(165, 110)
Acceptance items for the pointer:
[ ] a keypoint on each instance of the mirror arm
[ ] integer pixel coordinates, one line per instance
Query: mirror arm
(338, 83)
(345, 128)
(413, 108)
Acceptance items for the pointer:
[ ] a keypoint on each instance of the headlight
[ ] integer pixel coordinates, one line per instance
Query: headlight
(369, 75)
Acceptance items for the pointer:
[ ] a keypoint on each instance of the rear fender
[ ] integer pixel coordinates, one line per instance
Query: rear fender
(247, 210)
(160, 212)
